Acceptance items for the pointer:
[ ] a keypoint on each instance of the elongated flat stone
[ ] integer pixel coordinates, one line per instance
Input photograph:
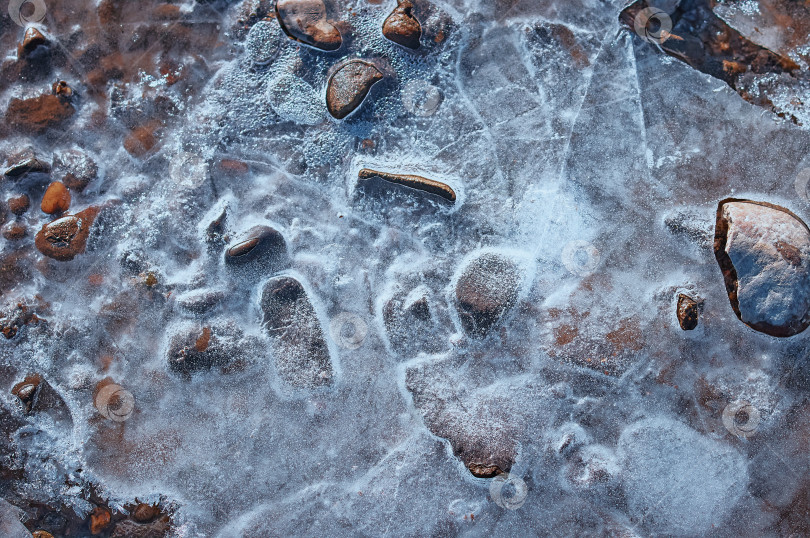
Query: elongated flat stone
(414, 182)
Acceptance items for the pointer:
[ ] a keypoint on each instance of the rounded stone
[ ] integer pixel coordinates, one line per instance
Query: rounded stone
(56, 199)
(66, 237)
(349, 85)
(19, 204)
(260, 244)
(485, 292)
(764, 254)
(305, 21)
(402, 27)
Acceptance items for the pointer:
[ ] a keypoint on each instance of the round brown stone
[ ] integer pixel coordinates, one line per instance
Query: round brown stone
(402, 27)
(56, 199)
(14, 231)
(305, 21)
(66, 237)
(349, 85)
(19, 204)
(144, 513)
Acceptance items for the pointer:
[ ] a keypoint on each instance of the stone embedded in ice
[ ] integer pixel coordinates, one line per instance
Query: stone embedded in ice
(349, 85)
(301, 353)
(411, 324)
(486, 290)
(221, 344)
(65, 238)
(262, 246)
(402, 27)
(688, 311)
(305, 21)
(10, 525)
(764, 253)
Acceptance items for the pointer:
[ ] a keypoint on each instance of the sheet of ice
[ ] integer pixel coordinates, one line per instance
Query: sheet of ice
(570, 143)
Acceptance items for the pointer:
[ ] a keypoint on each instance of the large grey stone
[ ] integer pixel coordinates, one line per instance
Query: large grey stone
(764, 253)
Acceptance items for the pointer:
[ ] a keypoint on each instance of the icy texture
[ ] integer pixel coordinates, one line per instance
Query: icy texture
(671, 471)
(572, 145)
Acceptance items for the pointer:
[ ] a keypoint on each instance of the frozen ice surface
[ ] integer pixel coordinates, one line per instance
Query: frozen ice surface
(585, 160)
(671, 471)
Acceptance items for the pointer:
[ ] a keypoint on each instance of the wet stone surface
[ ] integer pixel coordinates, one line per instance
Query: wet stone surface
(764, 253)
(349, 85)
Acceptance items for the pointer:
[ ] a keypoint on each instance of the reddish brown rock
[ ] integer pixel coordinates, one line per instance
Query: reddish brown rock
(56, 199)
(100, 519)
(38, 114)
(687, 312)
(140, 141)
(402, 27)
(14, 231)
(65, 238)
(431, 186)
(19, 204)
(31, 40)
(234, 166)
(349, 85)
(61, 89)
(145, 513)
(306, 21)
